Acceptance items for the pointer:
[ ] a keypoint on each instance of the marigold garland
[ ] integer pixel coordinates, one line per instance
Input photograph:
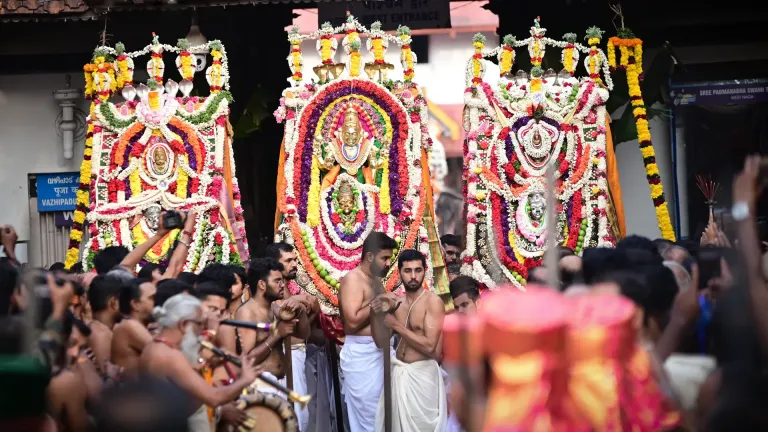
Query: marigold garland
(478, 41)
(629, 62)
(506, 55)
(384, 203)
(313, 206)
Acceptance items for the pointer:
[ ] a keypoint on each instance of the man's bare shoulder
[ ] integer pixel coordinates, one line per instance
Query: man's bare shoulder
(434, 301)
(244, 313)
(354, 276)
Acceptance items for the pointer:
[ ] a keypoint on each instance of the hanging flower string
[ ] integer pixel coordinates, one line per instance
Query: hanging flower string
(629, 62)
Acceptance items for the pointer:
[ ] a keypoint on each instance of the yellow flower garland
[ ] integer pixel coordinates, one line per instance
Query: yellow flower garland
(384, 204)
(378, 49)
(354, 64)
(181, 181)
(135, 183)
(611, 54)
(313, 206)
(631, 58)
(325, 50)
(82, 196)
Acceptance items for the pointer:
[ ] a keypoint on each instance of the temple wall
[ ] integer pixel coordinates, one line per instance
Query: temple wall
(29, 143)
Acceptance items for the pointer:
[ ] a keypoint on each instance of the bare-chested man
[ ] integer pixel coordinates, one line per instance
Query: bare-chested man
(265, 279)
(172, 353)
(418, 394)
(361, 360)
(103, 296)
(131, 335)
(286, 256)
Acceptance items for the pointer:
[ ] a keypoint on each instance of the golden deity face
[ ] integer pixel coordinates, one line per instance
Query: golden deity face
(160, 159)
(346, 198)
(352, 129)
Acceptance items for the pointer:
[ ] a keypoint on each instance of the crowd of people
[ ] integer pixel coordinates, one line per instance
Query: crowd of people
(118, 350)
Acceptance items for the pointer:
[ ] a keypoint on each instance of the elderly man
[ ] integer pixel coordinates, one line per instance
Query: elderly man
(173, 352)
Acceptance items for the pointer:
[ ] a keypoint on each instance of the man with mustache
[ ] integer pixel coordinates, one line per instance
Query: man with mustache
(173, 352)
(361, 360)
(418, 393)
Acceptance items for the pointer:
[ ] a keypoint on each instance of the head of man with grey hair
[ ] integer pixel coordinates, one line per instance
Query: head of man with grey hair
(181, 321)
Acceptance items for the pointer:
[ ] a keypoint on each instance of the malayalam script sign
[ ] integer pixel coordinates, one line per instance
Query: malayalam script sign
(57, 192)
(416, 14)
(721, 94)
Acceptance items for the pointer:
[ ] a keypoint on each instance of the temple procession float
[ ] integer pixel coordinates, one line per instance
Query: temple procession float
(355, 159)
(160, 149)
(532, 122)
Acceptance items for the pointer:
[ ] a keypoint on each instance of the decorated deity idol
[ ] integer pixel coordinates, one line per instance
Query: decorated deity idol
(530, 123)
(354, 160)
(158, 150)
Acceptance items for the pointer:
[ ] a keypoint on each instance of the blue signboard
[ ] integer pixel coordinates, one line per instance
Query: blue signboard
(57, 192)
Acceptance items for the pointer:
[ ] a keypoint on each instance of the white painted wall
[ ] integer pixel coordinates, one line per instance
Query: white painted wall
(29, 142)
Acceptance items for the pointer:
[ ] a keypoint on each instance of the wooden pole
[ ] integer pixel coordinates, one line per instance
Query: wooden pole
(333, 364)
(551, 255)
(288, 359)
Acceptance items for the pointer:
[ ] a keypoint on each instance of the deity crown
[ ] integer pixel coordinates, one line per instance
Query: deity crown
(351, 117)
(345, 189)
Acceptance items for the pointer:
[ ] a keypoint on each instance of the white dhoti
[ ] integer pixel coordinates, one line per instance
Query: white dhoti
(298, 359)
(263, 387)
(322, 408)
(363, 367)
(419, 403)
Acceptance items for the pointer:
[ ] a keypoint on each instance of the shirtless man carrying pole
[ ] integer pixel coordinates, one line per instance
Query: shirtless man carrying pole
(418, 394)
(361, 360)
(265, 280)
(131, 335)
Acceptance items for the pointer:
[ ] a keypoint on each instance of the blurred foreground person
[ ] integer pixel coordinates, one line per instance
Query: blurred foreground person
(173, 352)
(554, 363)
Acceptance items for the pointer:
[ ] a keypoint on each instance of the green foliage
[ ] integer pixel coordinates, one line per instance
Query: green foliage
(509, 40)
(479, 37)
(594, 32)
(183, 44)
(120, 48)
(570, 37)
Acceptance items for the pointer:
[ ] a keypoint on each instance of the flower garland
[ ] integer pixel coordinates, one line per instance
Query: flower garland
(594, 60)
(295, 60)
(633, 68)
(124, 67)
(407, 56)
(570, 56)
(184, 60)
(478, 41)
(506, 55)
(376, 43)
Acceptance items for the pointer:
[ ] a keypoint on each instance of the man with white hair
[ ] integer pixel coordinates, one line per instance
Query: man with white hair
(173, 352)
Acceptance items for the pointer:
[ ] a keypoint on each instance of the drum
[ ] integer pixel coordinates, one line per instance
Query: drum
(268, 413)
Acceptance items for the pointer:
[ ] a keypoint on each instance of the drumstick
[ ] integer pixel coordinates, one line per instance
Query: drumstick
(302, 400)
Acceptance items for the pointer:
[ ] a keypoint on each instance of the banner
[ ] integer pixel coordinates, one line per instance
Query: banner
(57, 192)
(416, 14)
(731, 93)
